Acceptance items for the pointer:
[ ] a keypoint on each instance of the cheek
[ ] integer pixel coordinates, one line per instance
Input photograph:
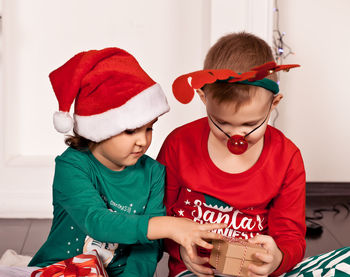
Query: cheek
(113, 152)
(256, 135)
(117, 147)
(220, 136)
(149, 138)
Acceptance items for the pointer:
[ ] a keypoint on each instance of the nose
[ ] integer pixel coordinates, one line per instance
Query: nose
(141, 139)
(232, 132)
(238, 131)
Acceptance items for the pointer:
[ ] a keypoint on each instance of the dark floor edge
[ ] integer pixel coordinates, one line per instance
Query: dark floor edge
(327, 189)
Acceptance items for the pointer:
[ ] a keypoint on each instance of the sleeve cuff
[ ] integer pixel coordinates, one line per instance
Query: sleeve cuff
(291, 256)
(143, 229)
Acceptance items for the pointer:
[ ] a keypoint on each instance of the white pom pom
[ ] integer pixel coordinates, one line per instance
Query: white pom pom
(63, 122)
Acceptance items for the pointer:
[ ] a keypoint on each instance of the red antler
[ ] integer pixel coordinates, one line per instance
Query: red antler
(184, 85)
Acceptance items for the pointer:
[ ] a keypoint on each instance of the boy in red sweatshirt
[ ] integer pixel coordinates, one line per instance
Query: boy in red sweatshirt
(233, 167)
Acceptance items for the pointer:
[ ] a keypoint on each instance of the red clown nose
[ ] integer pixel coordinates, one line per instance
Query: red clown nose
(237, 144)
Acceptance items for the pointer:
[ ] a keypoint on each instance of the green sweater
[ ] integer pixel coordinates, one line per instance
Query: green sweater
(84, 194)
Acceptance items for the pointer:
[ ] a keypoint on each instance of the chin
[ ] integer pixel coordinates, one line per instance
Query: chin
(131, 162)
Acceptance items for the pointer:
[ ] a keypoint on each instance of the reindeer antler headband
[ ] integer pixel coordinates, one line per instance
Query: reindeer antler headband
(184, 85)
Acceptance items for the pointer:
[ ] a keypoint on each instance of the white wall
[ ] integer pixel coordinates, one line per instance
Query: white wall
(315, 112)
(167, 37)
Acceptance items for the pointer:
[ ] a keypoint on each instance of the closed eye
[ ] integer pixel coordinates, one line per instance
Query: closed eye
(221, 122)
(250, 124)
(130, 132)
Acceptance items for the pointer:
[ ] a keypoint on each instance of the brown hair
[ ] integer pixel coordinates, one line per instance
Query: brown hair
(238, 52)
(78, 142)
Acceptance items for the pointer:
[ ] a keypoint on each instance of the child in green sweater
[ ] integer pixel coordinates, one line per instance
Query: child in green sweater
(107, 194)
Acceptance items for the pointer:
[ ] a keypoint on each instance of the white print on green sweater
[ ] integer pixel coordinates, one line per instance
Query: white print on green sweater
(121, 207)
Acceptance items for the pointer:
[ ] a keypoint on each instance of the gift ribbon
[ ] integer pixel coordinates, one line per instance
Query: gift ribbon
(242, 242)
(67, 268)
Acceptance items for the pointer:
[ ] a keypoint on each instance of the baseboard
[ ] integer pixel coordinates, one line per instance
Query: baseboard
(37, 204)
(327, 189)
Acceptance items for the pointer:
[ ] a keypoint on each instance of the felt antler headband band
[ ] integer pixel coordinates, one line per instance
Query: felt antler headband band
(184, 86)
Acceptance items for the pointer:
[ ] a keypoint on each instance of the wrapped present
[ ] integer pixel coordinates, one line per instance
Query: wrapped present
(232, 256)
(83, 265)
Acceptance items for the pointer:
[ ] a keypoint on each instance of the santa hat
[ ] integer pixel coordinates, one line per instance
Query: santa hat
(112, 93)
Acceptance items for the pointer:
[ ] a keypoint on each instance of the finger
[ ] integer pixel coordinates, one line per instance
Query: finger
(264, 257)
(212, 226)
(190, 252)
(259, 269)
(211, 235)
(256, 275)
(196, 259)
(204, 244)
(204, 275)
(260, 239)
(202, 270)
(199, 269)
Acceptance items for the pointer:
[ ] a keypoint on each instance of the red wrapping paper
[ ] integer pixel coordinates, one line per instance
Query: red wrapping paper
(83, 265)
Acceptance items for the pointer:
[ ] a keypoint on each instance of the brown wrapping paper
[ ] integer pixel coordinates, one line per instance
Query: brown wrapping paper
(232, 257)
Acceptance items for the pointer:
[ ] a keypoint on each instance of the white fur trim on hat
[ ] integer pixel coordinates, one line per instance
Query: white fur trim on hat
(138, 111)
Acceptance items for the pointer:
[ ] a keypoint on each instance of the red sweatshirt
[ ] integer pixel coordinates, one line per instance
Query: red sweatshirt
(268, 198)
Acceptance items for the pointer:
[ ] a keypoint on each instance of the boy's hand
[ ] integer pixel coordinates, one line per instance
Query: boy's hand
(196, 265)
(188, 234)
(271, 260)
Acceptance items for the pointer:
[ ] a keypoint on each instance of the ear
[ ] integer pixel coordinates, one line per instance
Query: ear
(276, 100)
(201, 95)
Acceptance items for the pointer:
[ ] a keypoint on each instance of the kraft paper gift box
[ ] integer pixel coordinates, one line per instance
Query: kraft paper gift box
(83, 265)
(232, 257)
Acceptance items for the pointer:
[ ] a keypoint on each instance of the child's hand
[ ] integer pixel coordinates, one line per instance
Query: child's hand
(272, 259)
(196, 265)
(188, 234)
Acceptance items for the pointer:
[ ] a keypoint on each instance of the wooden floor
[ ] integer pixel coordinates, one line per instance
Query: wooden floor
(25, 236)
